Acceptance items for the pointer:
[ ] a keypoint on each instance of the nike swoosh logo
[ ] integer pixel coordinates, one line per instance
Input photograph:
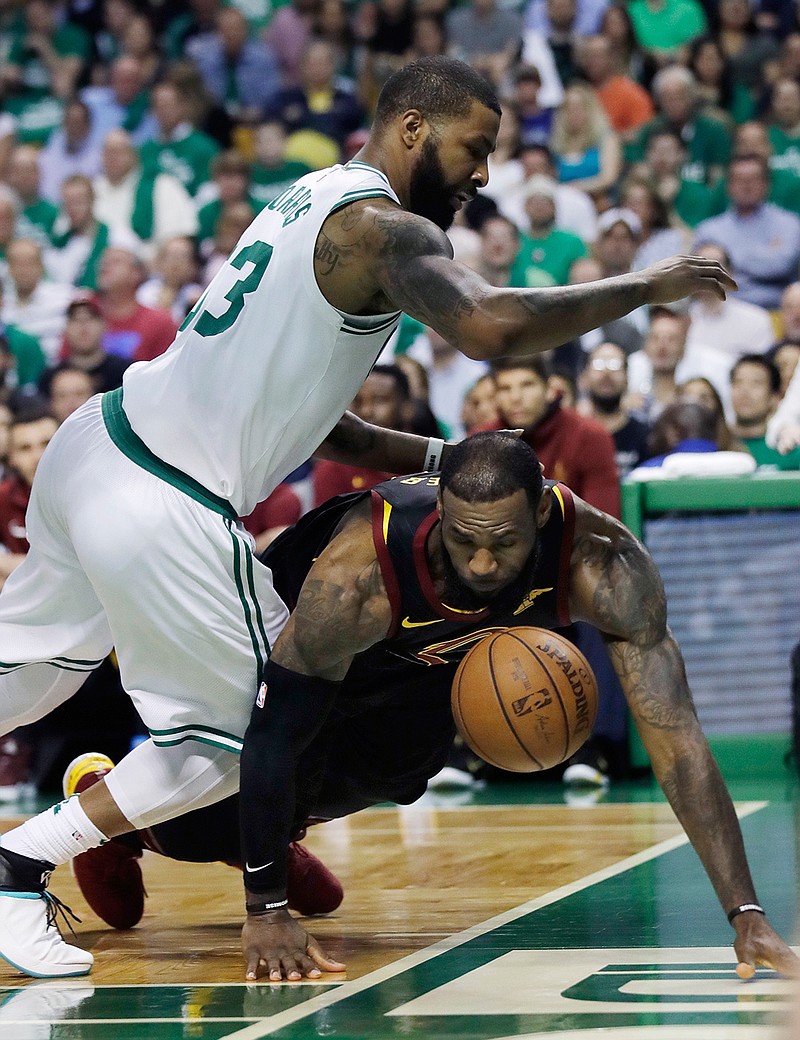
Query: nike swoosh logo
(252, 870)
(408, 623)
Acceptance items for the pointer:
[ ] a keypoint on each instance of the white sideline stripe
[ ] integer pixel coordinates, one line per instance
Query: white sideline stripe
(309, 1007)
(178, 985)
(115, 1021)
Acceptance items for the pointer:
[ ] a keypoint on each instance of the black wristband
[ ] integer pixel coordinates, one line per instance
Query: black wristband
(743, 909)
(256, 909)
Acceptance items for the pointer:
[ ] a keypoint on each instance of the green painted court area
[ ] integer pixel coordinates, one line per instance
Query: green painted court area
(639, 951)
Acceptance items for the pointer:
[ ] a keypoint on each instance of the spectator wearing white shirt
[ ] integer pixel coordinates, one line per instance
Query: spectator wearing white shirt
(505, 168)
(732, 326)
(538, 51)
(33, 304)
(575, 210)
(451, 375)
(619, 235)
(10, 207)
(666, 361)
(155, 206)
(78, 238)
(621, 331)
(174, 285)
(499, 247)
(783, 430)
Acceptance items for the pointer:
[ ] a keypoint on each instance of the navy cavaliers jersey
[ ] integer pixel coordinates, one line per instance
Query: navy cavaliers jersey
(424, 631)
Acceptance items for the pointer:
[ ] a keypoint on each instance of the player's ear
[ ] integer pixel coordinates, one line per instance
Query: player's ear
(439, 506)
(414, 128)
(544, 507)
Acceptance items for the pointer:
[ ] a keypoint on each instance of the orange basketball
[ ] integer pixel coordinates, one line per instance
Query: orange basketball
(524, 699)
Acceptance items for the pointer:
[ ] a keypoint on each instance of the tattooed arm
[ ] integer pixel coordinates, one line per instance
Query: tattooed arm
(374, 251)
(358, 443)
(342, 608)
(617, 588)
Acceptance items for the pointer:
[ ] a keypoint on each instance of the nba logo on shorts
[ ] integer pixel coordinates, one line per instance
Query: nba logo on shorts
(262, 695)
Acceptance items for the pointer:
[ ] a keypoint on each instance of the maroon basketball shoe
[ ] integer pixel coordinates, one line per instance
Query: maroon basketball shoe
(109, 876)
(311, 888)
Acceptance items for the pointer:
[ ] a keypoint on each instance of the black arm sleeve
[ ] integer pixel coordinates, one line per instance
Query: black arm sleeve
(294, 709)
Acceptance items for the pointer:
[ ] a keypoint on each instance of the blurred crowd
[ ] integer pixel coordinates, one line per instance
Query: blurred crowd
(138, 140)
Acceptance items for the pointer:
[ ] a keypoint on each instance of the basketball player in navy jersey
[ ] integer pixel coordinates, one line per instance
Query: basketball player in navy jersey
(260, 371)
(388, 590)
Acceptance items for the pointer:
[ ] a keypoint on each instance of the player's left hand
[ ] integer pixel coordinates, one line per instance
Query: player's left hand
(757, 944)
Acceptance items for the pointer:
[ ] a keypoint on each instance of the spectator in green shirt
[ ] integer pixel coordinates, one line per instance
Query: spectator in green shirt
(179, 148)
(707, 140)
(755, 387)
(784, 127)
(24, 356)
(546, 252)
(272, 172)
(37, 215)
(45, 59)
(784, 184)
(231, 176)
(689, 201)
(663, 27)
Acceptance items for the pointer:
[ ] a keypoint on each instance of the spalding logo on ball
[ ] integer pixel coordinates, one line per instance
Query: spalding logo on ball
(524, 699)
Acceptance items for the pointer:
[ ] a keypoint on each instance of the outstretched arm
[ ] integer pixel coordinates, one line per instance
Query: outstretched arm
(342, 608)
(617, 588)
(412, 263)
(358, 443)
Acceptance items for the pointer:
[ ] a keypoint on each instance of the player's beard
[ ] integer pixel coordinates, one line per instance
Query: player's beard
(457, 594)
(429, 195)
(605, 404)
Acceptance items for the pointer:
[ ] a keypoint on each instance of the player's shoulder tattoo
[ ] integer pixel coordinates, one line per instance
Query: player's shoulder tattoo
(401, 236)
(628, 598)
(409, 268)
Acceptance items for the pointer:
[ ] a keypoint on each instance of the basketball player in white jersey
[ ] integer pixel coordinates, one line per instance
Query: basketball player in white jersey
(132, 522)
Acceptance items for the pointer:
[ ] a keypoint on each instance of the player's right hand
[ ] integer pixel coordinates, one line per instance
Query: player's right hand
(680, 276)
(275, 941)
(789, 438)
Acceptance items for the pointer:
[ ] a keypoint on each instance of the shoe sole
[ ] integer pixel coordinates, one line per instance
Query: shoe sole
(41, 975)
(88, 762)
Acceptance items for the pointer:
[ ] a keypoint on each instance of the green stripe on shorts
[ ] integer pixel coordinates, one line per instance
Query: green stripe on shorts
(130, 444)
(248, 612)
(202, 734)
(66, 664)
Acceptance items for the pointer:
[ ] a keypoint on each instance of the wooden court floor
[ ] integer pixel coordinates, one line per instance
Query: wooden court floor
(506, 914)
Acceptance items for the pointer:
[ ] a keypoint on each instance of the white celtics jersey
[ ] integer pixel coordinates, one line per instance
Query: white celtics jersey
(263, 367)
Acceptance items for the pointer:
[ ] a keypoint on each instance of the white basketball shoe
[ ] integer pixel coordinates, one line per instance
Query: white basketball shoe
(29, 937)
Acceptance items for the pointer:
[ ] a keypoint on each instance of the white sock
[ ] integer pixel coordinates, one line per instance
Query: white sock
(57, 835)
